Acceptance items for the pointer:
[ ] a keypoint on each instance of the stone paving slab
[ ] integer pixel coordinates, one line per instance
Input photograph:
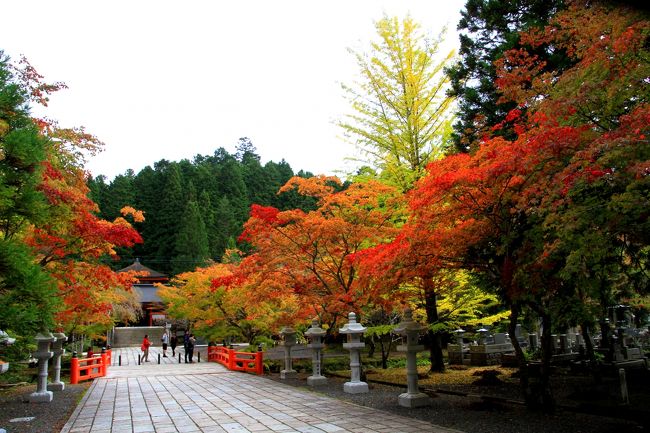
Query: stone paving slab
(207, 398)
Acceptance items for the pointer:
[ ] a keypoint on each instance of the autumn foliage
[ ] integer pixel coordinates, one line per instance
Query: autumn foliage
(67, 238)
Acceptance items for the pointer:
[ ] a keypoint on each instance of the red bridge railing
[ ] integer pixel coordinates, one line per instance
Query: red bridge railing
(237, 361)
(89, 368)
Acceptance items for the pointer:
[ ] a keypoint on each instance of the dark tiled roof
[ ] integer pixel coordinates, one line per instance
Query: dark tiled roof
(142, 270)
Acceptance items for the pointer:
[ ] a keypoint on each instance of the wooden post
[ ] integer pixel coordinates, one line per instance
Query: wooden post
(74, 369)
(231, 359)
(259, 363)
(103, 369)
(625, 398)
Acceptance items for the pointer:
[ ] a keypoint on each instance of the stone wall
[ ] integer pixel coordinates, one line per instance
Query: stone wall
(133, 335)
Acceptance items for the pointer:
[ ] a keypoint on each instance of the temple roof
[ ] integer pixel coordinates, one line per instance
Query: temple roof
(147, 293)
(143, 271)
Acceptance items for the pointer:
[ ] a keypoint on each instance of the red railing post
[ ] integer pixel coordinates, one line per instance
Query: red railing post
(259, 364)
(104, 368)
(231, 359)
(74, 369)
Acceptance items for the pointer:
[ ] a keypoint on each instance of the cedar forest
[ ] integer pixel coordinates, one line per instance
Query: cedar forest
(507, 183)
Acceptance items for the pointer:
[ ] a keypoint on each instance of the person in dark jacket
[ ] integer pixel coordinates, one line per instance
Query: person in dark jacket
(186, 340)
(173, 342)
(190, 347)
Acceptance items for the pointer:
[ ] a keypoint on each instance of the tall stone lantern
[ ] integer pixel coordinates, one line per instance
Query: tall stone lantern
(43, 354)
(315, 335)
(354, 331)
(289, 336)
(5, 340)
(58, 351)
(411, 330)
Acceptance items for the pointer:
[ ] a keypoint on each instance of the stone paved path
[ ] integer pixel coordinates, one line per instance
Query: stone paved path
(205, 397)
(129, 355)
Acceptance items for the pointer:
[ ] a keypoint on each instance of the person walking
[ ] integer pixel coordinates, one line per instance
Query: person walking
(190, 347)
(186, 340)
(165, 341)
(145, 347)
(173, 342)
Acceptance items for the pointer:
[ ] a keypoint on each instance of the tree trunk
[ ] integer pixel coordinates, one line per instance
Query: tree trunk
(435, 340)
(548, 402)
(589, 344)
(371, 348)
(524, 381)
(594, 366)
(384, 355)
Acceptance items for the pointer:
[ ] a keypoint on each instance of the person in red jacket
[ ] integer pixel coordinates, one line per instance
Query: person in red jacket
(145, 347)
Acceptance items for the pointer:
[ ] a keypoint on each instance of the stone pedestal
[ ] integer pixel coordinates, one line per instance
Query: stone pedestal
(289, 336)
(58, 351)
(43, 354)
(5, 340)
(354, 331)
(411, 330)
(489, 354)
(315, 335)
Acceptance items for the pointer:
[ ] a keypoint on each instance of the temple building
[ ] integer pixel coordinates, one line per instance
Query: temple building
(153, 308)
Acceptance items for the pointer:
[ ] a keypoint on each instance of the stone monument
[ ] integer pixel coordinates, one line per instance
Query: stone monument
(289, 337)
(411, 330)
(58, 351)
(43, 354)
(354, 331)
(315, 335)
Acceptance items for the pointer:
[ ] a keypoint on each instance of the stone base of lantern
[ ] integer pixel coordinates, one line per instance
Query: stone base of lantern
(413, 400)
(355, 387)
(288, 374)
(316, 380)
(41, 397)
(56, 386)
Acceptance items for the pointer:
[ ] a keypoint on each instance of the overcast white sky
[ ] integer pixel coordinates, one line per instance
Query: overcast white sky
(170, 79)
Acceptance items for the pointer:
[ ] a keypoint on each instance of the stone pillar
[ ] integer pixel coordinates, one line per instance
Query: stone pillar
(58, 351)
(289, 335)
(43, 354)
(564, 344)
(411, 330)
(534, 341)
(482, 336)
(315, 335)
(354, 331)
(460, 333)
(5, 340)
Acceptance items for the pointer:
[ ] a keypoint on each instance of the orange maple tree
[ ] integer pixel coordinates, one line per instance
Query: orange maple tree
(312, 253)
(221, 304)
(536, 216)
(72, 241)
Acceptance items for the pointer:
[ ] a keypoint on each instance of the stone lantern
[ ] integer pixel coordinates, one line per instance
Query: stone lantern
(411, 330)
(354, 331)
(483, 334)
(5, 340)
(58, 351)
(289, 336)
(43, 354)
(315, 335)
(460, 332)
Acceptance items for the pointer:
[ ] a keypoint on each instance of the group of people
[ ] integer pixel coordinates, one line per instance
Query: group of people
(189, 341)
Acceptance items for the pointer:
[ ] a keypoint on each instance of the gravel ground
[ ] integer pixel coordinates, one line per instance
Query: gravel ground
(472, 415)
(48, 417)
